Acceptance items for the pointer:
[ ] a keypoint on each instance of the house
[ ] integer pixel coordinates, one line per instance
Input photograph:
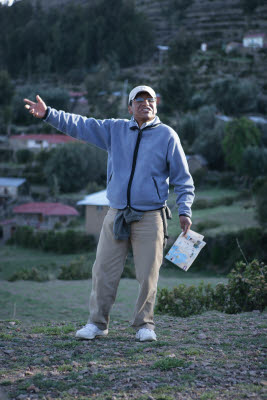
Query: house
(196, 163)
(38, 141)
(97, 206)
(255, 40)
(79, 97)
(12, 188)
(7, 228)
(44, 215)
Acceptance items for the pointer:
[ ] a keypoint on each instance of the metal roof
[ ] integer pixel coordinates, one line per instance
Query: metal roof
(95, 199)
(12, 181)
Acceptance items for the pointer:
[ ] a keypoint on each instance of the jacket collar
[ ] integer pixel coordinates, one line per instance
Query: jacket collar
(134, 124)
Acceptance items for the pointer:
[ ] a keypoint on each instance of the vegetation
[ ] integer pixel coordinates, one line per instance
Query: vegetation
(69, 241)
(74, 165)
(100, 32)
(240, 134)
(246, 290)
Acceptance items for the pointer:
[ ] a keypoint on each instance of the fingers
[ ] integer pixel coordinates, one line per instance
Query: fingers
(39, 100)
(185, 223)
(31, 103)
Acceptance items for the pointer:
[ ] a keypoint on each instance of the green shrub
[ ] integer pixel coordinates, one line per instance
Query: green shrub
(233, 96)
(66, 242)
(77, 269)
(254, 162)
(24, 156)
(184, 300)
(209, 141)
(33, 274)
(239, 134)
(246, 291)
(210, 224)
(260, 190)
(128, 271)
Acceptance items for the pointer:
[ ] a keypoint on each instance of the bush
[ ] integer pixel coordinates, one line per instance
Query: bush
(66, 242)
(260, 190)
(239, 134)
(74, 165)
(233, 96)
(24, 156)
(246, 291)
(33, 274)
(254, 162)
(77, 269)
(222, 251)
(176, 90)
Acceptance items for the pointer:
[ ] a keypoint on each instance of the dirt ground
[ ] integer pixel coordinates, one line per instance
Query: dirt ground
(209, 356)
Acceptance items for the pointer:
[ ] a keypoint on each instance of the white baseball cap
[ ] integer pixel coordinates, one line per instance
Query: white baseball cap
(139, 89)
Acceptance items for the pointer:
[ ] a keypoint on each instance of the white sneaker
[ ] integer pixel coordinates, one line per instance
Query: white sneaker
(90, 331)
(146, 335)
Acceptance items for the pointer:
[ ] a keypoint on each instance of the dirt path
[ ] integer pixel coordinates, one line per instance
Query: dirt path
(210, 356)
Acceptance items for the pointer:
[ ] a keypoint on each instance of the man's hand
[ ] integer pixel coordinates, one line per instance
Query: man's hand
(185, 223)
(37, 109)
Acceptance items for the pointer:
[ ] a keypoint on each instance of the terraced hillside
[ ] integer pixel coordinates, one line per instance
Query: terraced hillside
(214, 21)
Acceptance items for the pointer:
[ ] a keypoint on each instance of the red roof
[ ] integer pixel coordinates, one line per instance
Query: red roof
(49, 138)
(45, 209)
(8, 222)
(77, 94)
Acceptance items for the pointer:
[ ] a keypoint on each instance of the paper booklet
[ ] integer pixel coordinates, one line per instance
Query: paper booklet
(186, 249)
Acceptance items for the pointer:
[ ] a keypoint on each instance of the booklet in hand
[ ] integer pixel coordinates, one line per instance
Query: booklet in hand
(185, 249)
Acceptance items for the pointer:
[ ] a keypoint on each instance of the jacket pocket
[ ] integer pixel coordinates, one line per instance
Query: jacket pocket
(110, 178)
(156, 186)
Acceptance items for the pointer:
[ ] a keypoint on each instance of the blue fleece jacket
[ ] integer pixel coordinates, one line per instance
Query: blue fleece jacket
(141, 161)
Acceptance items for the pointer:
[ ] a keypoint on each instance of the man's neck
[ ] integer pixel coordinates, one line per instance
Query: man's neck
(142, 122)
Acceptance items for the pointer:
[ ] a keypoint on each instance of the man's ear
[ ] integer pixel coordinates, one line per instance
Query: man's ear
(130, 109)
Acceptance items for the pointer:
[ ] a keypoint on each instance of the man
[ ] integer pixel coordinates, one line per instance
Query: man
(144, 155)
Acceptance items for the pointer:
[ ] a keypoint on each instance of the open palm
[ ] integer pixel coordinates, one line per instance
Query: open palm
(38, 108)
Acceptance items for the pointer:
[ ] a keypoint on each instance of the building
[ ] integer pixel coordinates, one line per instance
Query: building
(7, 228)
(97, 206)
(44, 215)
(255, 40)
(38, 141)
(12, 188)
(196, 163)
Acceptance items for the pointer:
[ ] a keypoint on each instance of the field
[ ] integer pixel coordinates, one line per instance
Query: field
(208, 356)
(237, 215)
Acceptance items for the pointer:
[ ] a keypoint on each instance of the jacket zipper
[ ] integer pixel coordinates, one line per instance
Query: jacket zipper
(140, 131)
(133, 167)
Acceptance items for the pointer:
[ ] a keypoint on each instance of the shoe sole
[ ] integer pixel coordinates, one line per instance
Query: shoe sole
(91, 338)
(146, 340)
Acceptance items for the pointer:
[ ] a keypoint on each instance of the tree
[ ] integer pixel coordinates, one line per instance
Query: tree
(254, 162)
(233, 96)
(239, 134)
(74, 165)
(6, 95)
(175, 89)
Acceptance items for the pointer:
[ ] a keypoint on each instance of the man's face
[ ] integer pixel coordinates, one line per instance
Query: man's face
(143, 111)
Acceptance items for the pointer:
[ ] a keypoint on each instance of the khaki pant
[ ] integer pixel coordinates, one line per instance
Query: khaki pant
(147, 244)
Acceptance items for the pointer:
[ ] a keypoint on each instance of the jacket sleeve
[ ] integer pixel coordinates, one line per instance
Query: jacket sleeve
(180, 176)
(89, 130)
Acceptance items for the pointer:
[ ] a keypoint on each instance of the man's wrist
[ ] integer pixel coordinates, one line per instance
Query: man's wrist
(46, 114)
(184, 215)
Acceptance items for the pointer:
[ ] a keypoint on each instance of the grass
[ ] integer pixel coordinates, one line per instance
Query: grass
(65, 300)
(220, 219)
(14, 258)
(119, 367)
(169, 363)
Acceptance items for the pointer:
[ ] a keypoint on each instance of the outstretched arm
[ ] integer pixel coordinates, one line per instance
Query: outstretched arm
(37, 109)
